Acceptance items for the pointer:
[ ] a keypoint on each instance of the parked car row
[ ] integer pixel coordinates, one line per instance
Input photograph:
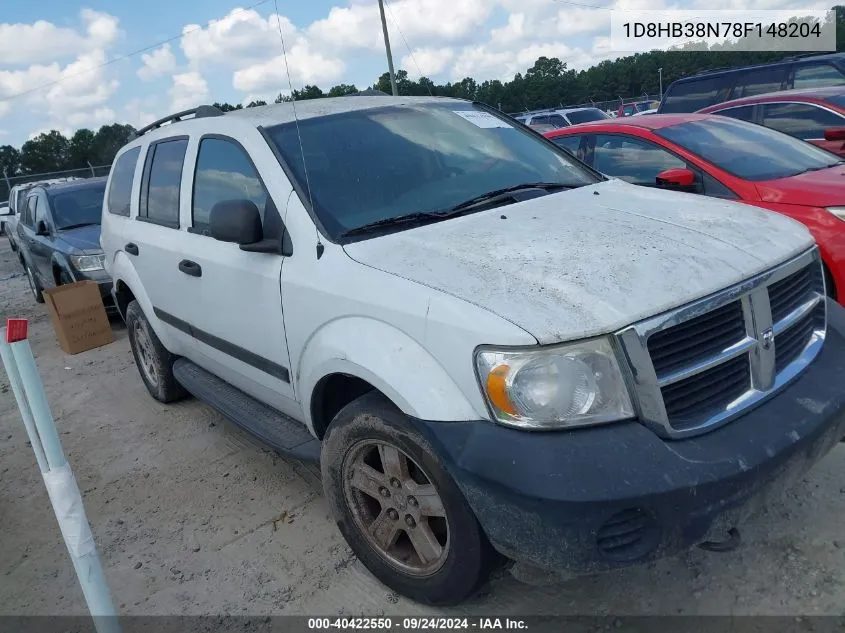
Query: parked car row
(495, 351)
(55, 231)
(728, 159)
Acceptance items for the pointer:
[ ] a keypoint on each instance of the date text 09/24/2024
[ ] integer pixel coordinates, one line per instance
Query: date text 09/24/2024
(416, 624)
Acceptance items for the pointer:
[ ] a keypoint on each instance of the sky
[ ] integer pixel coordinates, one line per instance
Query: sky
(66, 65)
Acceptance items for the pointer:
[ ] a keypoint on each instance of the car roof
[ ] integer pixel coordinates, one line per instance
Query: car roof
(706, 74)
(287, 112)
(652, 122)
(808, 94)
(74, 185)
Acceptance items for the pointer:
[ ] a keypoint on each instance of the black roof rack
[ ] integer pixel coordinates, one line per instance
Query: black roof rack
(199, 112)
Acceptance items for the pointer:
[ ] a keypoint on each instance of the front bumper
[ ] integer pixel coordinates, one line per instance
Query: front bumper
(596, 499)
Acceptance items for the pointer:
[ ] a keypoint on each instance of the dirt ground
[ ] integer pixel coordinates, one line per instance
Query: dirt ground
(193, 517)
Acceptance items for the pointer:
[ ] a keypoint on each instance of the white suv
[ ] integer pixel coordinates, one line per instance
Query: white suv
(495, 352)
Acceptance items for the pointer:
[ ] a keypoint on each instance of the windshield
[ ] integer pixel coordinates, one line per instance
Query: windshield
(589, 114)
(78, 207)
(371, 165)
(748, 151)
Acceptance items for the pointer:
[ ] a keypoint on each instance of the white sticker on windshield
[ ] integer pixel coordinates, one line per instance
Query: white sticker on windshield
(481, 119)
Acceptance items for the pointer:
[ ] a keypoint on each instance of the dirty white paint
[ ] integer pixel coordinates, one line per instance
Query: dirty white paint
(591, 260)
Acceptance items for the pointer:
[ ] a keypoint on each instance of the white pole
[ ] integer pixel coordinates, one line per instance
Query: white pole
(58, 477)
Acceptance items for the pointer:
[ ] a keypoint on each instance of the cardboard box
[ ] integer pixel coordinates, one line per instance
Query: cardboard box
(79, 317)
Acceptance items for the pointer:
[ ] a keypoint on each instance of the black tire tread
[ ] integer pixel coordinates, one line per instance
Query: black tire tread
(168, 389)
(471, 558)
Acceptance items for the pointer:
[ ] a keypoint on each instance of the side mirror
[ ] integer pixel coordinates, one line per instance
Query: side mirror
(237, 221)
(41, 228)
(834, 134)
(675, 179)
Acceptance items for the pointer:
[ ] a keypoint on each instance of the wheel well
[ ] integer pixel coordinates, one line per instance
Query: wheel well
(56, 272)
(830, 283)
(124, 296)
(331, 394)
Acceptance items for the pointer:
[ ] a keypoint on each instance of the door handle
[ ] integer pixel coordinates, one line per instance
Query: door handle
(190, 268)
(131, 248)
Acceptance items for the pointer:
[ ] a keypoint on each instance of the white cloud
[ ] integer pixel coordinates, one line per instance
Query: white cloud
(44, 41)
(428, 61)
(5, 108)
(250, 46)
(513, 31)
(359, 25)
(141, 111)
(93, 119)
(159, 62)
(189, 90)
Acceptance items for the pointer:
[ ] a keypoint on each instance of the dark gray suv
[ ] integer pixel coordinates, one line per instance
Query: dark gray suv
(58, 235)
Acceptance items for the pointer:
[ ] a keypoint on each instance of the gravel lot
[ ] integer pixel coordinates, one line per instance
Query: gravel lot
(193, 517)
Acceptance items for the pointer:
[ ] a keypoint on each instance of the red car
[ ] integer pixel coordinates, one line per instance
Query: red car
(725, 158)
(815, 115)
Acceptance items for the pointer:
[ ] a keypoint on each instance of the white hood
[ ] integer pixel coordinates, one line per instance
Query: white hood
(591, 260)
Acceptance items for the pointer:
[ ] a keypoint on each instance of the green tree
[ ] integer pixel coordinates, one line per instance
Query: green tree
(342, 90)
(81, 149)
(45, 153)
(108, 140)
(10, 160)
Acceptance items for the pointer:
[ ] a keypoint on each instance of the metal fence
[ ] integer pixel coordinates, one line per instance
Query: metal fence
(9, 181)
(611, 104)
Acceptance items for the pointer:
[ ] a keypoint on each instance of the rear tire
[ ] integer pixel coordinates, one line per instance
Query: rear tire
(154, 362)
(427, 545)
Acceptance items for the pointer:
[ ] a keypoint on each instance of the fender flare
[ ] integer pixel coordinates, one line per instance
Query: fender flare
(60, 260)
(389, 360)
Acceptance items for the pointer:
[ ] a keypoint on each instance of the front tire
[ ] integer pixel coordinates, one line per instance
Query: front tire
(399, 509)
(155, 363)
(34, 285)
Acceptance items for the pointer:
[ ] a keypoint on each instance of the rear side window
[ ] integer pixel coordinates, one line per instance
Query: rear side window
(583, 116)
(760, 81)
(689, 96)
(557, 120)
(163, 182)
(122, 178)
(801, 120)
(743, 113)
(817, 76)
(224, 172)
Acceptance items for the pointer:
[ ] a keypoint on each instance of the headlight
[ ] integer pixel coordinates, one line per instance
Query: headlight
(565, 386)
(839, 212)
(87, 263)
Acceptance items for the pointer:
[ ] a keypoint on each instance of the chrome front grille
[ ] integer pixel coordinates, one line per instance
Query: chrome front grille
(700, 365)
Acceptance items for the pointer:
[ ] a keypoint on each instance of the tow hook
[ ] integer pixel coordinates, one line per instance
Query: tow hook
(728, 545)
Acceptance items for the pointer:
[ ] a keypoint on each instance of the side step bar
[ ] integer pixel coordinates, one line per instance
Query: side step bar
(278, 431)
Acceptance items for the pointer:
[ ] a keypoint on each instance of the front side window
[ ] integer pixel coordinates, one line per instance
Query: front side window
(634, 160)
(384, 163)
(81, 207)
(557, 120)
(160, 195)
(748, 151)
(31, 207)
(817, 76)
(224, 172)
(743, 113)
(801, 120)
(122, 179)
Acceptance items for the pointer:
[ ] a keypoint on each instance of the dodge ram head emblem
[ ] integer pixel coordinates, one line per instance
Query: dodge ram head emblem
(768, 338)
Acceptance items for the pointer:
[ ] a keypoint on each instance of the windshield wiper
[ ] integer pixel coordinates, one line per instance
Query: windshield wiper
(423, 217)
(414, 218)
(492, 195)
(77, 226)
(836, 164)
